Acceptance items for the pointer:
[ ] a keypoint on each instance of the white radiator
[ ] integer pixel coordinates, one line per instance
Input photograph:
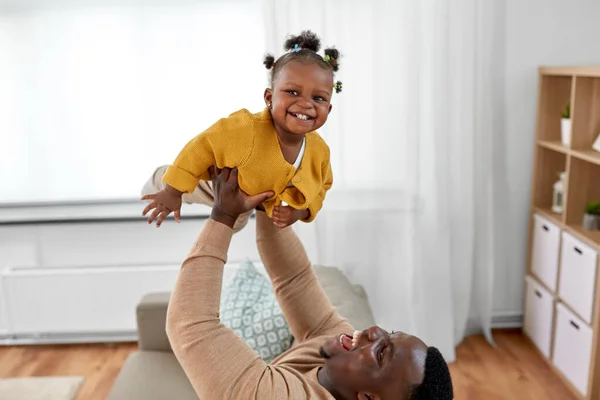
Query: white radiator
(81, 281)
(52, 305)
(79, 300)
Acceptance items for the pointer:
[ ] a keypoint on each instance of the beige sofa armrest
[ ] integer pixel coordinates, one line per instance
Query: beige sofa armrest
(349, 300)
(151, 322)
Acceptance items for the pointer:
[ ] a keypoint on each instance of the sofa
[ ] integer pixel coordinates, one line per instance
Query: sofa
(153, 373)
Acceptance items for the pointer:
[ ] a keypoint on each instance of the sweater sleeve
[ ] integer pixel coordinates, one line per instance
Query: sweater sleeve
(225, 144)
(213, 357)
(315, 206)
(304, 303)
(217, 362)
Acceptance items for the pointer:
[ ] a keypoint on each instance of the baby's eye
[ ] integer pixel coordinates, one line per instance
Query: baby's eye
(293, 92)
(319, 98)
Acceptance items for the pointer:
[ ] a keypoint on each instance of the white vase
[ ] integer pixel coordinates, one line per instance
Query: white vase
(565, 131)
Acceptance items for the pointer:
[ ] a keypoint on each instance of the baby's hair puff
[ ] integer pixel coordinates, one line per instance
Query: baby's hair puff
(304, 48)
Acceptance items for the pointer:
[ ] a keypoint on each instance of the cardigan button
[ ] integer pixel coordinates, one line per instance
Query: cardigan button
(296, 179)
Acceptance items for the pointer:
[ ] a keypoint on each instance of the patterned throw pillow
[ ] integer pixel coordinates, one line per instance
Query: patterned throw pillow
(250, 309)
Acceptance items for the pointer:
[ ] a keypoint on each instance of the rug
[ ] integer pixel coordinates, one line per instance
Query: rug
(42, 388)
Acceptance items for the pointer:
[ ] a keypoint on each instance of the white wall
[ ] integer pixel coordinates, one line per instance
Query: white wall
(537, 32)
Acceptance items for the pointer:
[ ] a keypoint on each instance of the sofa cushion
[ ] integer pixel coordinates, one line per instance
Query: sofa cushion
(152, 375)
(349, 300)
(249, 307)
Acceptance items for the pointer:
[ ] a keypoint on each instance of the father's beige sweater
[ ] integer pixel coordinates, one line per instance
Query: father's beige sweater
(217, 362)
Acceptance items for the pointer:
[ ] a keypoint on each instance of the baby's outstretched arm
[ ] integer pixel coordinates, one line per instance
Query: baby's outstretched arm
(211, 147)
(181, 177)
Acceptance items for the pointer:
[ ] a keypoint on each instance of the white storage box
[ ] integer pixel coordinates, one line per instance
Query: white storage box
(539, 309)
(578, 276)
(544, 258)
(572, 348)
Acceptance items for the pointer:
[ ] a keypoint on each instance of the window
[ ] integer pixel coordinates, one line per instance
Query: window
(95, 96)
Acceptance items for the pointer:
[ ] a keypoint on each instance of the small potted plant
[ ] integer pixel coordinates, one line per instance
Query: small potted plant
(565, 125)
(591, 218)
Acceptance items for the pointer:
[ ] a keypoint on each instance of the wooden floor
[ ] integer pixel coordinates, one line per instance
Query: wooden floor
(512, 371)
(99, 364)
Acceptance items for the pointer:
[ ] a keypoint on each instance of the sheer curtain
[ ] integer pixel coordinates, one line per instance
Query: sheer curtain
(96, 94)
(414, 214)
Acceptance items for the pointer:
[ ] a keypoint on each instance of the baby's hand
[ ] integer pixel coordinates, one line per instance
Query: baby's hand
(165, 202)
(285, 215)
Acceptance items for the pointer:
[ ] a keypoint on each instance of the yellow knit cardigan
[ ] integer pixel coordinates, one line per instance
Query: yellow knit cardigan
(249, 142)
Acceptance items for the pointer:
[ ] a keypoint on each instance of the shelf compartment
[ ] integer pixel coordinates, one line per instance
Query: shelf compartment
(583, 186)
(549, 164)
(586, 113)
(555, 93)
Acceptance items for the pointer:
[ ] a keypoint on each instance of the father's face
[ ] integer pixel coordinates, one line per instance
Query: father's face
(374, 363)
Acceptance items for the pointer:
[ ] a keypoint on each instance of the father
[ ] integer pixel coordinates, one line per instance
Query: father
(331, 361)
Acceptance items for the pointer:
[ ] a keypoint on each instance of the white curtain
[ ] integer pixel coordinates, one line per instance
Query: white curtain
(95, 94)
(415, 213)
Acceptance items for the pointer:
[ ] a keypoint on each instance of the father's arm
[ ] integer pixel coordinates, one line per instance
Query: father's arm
(218, 363)
(302, 299)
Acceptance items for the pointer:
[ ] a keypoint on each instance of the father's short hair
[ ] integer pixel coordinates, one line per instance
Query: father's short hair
(437, 383)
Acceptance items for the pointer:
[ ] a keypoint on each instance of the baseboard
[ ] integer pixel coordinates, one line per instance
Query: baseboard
(500, 320)
(68, 338)
(506, 320)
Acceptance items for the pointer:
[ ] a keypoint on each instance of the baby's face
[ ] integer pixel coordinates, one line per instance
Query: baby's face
(301, 97)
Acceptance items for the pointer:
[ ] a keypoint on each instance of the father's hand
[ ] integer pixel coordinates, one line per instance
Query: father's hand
(230, 200)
